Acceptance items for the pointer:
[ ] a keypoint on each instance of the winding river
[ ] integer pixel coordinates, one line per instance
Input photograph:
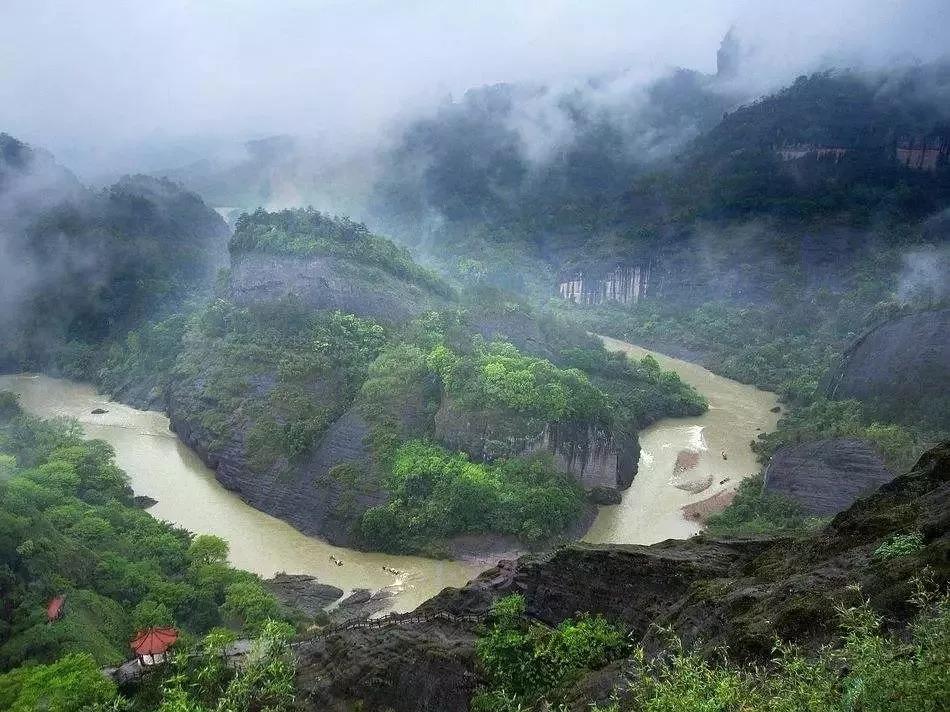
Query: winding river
(651, 509)
(188, 495)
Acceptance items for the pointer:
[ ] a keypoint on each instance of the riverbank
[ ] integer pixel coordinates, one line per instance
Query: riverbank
(161, 467)
(713, 448)
(188, 495)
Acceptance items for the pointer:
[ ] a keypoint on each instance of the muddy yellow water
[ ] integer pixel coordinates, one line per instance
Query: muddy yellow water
(189, 496)
(650, 510)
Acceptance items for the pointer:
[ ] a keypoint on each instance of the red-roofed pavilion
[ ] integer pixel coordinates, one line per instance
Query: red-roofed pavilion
(150, 645)
(54, 609)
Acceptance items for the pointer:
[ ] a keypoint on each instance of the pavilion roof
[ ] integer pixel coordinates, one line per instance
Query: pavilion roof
(54, 608)
(153, 641)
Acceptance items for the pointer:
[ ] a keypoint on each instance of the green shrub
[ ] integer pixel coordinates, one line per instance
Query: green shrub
(755, 511)
(437, 494)
(281, 370)
(866, 671)
(308, 232)
(527, 664)
(499, 377)
(71, 684)
(68, 526)
(899, 545)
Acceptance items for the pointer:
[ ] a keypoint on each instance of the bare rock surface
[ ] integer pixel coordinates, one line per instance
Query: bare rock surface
(826, 476)
(302, 592)
(326, 282)
(360, 605)
(592, 454)
(903, 363)
(305, 495)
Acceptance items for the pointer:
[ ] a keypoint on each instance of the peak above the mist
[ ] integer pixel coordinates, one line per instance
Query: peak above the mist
(307, 233)
(31, 177)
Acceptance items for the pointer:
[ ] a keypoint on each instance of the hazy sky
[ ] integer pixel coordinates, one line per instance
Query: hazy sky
(90, 78)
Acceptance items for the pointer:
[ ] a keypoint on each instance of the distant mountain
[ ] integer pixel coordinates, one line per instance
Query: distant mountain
(80, 265)
(859, 146)
(280, 172)
(509, 153)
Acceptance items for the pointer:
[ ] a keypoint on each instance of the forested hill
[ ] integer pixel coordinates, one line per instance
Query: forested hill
(835, 148)
(331, 367)
(79, 266)
(536, 154)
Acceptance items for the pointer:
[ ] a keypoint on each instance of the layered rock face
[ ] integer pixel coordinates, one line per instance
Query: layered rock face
(327, 282)
(592, 454)
(903, 360)
(738, 593)
(624, 285)
(305, 495)
(826, 476)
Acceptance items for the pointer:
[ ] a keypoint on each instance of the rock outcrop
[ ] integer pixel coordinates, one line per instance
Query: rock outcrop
(591, 453)
(623, 285)
(901, 363)
(305, 494)
(742, 593)
(826, 476)
(303, 593)
(327, 282)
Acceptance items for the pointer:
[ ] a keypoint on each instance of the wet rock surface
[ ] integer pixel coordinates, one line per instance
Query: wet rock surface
(740, 593)
(902, 362)
(305, 495)
(592, 454)
(604, 495)
(360, 605)
(143, 501)
(302, 592)
(826, 476)
(326, 282)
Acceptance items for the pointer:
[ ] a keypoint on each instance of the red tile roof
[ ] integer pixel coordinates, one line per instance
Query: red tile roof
(54, 608)
(153, 641)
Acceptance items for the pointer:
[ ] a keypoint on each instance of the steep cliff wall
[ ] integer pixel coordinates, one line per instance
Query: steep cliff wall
(903, 363)
(924, 153)
(328, 282)
(591, 453)
(826, 476)
(623, 285)
(303, 494)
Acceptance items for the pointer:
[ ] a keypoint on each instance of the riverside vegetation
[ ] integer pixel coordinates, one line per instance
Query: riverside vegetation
(68, 527)
(268, 378)
(768, 257)
(273, 374)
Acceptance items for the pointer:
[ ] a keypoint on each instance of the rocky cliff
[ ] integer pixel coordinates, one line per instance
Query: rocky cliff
(591, 453)
(901, 364)
(328, 282)
(738, 593)
(826, 476)
(623, 285)
(304, 494)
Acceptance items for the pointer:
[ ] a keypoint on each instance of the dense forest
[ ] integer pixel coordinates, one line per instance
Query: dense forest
(70, 529)
(775, 237)
(87, 266)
